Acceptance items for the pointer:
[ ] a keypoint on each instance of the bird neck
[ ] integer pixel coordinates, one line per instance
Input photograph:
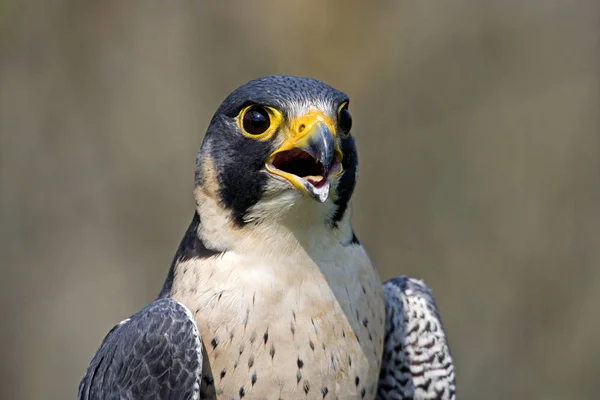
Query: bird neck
(304, 223)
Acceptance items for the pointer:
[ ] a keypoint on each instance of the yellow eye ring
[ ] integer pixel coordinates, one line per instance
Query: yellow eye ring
(258, 122)
(344, 119)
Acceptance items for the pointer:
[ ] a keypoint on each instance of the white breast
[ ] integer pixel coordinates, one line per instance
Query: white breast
(280, 320)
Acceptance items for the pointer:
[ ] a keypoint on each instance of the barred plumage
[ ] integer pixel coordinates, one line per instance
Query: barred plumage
(154, 354)
(417, 363)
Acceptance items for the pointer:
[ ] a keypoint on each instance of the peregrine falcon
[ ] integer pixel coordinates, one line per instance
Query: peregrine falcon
(270, 294)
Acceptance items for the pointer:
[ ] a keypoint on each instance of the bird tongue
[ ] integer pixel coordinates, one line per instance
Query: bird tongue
(320, 192)
(301, 164)
(316, 181)
(298, 162)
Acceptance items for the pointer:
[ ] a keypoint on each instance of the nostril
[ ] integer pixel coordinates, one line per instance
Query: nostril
(301, 128)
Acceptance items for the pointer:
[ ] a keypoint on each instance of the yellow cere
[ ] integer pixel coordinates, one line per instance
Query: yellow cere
(297, 136)
(301, 127)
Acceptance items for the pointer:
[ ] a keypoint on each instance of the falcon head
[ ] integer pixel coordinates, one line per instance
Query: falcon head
(277, 142)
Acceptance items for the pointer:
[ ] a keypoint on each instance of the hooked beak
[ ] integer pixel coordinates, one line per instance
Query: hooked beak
(310, 157)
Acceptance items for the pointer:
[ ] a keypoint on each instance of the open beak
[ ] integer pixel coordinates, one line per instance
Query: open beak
(310, 156)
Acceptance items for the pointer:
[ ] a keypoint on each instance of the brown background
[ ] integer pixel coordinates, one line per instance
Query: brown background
(477, 124)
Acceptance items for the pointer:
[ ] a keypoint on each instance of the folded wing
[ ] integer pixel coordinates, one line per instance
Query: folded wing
(155, 354)
(416, 364)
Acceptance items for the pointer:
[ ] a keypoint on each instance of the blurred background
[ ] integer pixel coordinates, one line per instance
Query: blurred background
(478, 129)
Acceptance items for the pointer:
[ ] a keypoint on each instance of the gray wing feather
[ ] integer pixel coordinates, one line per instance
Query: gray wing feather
(155, 354)
(417, 363)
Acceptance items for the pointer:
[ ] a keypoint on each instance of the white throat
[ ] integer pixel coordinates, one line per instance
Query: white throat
(282, 221)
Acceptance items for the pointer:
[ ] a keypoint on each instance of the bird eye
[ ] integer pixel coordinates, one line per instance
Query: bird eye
(256, 120)
(345, 119)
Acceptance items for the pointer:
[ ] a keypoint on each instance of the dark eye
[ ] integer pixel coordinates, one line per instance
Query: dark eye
(345, 119)
(256, 120)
